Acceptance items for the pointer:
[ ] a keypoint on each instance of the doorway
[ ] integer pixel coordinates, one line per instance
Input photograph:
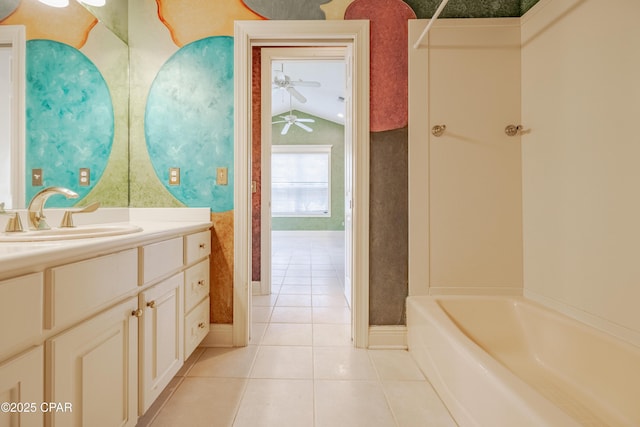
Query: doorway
(353, 36)
(300, 194)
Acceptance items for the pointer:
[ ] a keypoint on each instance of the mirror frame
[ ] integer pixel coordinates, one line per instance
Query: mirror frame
(15, 36)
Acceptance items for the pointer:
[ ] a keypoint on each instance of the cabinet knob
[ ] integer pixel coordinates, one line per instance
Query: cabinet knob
(201, 325)
(151, 304)
(202, 245)
(136, 313)
(201, 282)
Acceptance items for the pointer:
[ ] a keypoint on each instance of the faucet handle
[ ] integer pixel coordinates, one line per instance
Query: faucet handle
(14, 224)
(67, 218)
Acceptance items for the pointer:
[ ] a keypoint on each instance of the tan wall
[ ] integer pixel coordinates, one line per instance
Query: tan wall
(581, 172)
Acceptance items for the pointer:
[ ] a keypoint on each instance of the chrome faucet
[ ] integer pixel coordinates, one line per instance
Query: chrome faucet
(36, 206)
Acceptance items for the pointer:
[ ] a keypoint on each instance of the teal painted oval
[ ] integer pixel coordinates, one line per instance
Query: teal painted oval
(189, 122)
(69, 118)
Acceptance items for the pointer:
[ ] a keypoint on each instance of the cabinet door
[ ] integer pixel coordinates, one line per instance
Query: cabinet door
(162, 348)
(94, 367)
(21, 383)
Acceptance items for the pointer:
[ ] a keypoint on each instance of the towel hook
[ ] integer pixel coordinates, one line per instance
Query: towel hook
(438, 130)
(513, 130)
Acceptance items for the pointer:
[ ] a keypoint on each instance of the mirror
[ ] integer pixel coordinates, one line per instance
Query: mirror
(73, 122)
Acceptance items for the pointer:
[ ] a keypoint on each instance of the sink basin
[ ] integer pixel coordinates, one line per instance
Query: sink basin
(80, 232)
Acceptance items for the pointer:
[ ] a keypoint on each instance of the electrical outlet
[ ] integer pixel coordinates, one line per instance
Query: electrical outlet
(221, 176)
(36, 177)
(174, 176)
(85, 177)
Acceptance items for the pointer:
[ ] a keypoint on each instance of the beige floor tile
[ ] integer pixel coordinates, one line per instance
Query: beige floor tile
(260, 314)
(225, 362)
(296, 280)
(324, 274)
(326, 281)
(295, 290)
(294, 301)
(283, 362)
(206, 402)
(332, 335)
(416, 404)
(342, 363)
(329, 301)
(327, 290)
(288, 334)
(291, 315)
(341, 315)
(257, 332)
(395, 365)
(264, 300)
(351, 404)
(276, 403)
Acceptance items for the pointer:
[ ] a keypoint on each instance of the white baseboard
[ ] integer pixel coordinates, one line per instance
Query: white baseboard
(220, 335)
(256, 288)
(388, 337)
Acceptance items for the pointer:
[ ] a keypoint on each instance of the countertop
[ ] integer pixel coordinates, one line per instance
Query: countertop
(19, 258)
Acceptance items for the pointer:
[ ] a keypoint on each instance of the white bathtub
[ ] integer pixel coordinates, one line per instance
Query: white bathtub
(506, 361)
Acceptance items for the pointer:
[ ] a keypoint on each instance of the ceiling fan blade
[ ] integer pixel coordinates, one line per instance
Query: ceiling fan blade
(306, 120)
(297, 95)
(305, 127)
(279, 121)
(285, 129)
(304, 83)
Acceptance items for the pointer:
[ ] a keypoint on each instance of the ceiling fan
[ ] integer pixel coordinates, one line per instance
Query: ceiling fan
(284, 82)
(290, 119)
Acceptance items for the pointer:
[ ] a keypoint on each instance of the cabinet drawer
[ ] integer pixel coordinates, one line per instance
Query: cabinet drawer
(21, 306)
(80, 289)
(159, 259)
(196, 280)
(197, 246)
(196, 327)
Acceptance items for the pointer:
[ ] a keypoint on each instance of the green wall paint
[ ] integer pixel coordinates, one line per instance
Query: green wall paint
(324, 133)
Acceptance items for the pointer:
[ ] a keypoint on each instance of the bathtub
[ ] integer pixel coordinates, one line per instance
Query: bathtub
(507, 361)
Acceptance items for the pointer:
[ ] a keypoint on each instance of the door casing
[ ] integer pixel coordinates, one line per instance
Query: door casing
(354, 34)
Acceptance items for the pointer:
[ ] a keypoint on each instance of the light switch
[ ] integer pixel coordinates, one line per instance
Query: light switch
(221, 176)
(85, 177)
(174, 176)
(36, 177)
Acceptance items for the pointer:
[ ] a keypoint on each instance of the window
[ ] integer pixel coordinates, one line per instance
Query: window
(301, 180)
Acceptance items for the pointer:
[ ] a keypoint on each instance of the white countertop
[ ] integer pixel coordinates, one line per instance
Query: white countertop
(18, 258)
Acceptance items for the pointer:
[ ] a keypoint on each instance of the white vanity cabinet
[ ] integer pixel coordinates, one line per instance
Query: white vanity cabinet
(196, 291)
(21, 387)
(161, 344)
(101, 333)
(94, 368)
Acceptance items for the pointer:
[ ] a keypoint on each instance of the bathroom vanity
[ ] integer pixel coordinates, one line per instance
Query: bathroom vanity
(93, 329)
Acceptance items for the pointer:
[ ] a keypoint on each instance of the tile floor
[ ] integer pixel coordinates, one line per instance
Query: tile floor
(300, 368)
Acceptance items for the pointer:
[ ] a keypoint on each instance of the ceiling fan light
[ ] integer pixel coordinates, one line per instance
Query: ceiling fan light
(55, 3)
(96, 3)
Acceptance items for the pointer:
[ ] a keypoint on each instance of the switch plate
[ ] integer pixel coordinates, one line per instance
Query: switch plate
(222, 176)
(174, 176)
(84, 179)
(36, 177)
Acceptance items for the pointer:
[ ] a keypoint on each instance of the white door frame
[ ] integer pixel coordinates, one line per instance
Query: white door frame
(353, 33)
